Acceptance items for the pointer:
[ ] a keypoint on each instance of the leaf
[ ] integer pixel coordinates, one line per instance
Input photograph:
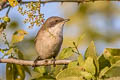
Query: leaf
(72, 64)
(114, 70)
(87, 75)
(80, 60)
(18, 36)
(13, 3)
(113, 55)
(40, 69)
(19, 53)
(91, 52)
(65, 53)
(2, 51)
(9, 51)
(89, 66)
(46, 77)
(14, 72)
(57, 69)
(73, 73)
(9, 72)
(114, 51)
(103, 71)
(69, 73)
(20, 74)
(103, 62)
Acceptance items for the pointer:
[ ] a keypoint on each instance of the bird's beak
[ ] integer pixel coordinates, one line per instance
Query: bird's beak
(66, 20)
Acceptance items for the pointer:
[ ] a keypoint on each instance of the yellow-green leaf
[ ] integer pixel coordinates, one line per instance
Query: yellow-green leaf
(69, 73)
(13, 3)
(111, 54)
(91, 52)
(9, 51)
(65, 53)
(9, 72)
(89, 65)
(114, 70)
(20, 74)
(103, 71)
(103, 62)
(80, 60)
(72, 64)
(18, 36)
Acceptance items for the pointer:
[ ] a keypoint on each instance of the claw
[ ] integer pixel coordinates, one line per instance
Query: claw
(54, 65)
(35, 61)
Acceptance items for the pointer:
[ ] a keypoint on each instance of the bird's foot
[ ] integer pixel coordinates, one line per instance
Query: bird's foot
(54, 65)
(35, 61)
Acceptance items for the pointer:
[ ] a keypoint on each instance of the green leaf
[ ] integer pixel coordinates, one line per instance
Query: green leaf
(19, 53)
(9, 51)
(72, 64)
(20, 74)
(114, 70)
(9, 72)
(2, 51)
(46, 77)
(87, 75)
(91, 52)
(114, 51)
(14, 72)
(57, 69)
(65, 53)
(103, 62)
(80, 60)
(103, 71)
(71, 78)
(89, 66)
(70, 73)
(113, 55)
(40, 69)
(18, 36)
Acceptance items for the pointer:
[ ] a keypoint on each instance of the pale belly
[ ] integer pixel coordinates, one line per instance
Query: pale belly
(49, 46)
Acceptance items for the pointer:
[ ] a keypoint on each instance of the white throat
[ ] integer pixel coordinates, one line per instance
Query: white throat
(57, 30)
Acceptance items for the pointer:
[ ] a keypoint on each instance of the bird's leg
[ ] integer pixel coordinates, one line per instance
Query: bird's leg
(54, 65)
(35, 61)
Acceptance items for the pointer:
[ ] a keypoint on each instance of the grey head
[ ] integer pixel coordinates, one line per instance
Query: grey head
(51, 21)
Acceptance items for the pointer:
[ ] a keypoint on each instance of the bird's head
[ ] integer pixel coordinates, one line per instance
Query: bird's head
(54, 20)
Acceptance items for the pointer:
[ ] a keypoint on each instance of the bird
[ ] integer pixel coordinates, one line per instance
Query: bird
(49, 38)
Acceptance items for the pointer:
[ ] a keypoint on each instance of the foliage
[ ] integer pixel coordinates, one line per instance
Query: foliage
(93, 67)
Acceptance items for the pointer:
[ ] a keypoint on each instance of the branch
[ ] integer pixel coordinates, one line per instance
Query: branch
(31, 63)
(51, 1)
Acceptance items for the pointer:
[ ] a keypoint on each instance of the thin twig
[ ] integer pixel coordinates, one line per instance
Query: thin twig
(52, 1)
(8, 11)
